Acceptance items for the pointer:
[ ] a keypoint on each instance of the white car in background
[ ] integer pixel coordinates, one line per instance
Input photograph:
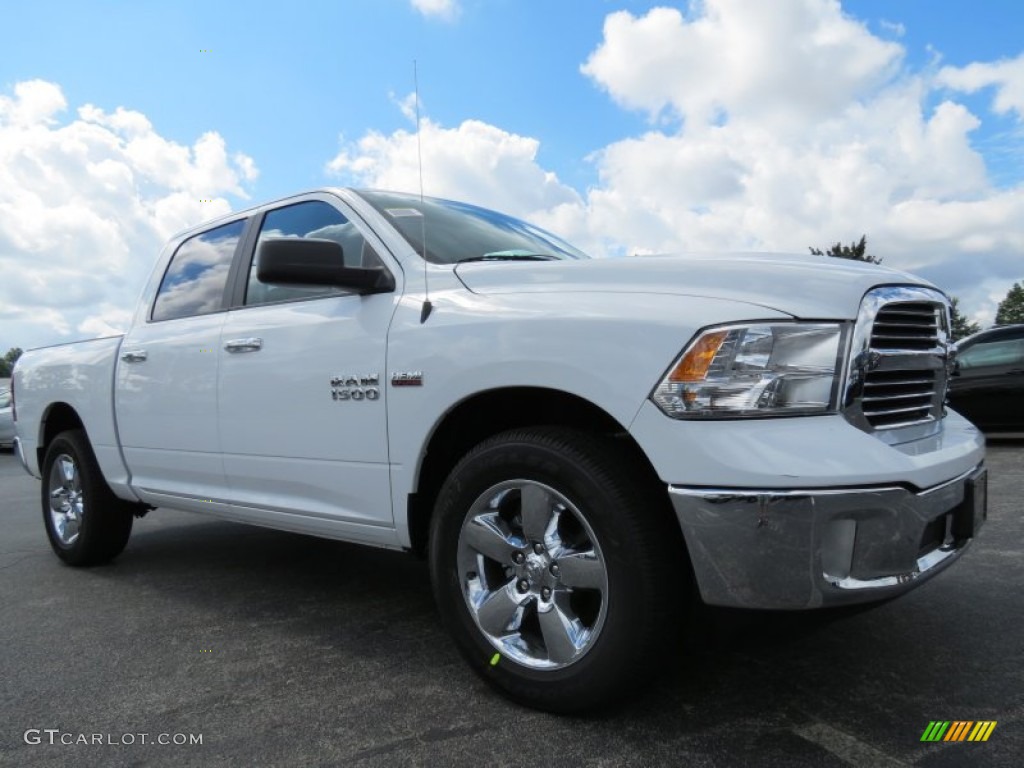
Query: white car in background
(6, 420)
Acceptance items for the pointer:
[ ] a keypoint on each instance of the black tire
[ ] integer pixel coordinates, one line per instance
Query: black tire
(638, 542)
(100, 531)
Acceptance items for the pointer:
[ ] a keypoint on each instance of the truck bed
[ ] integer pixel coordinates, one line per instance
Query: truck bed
(80, 375)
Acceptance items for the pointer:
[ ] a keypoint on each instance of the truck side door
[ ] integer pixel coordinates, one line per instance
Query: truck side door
(166, 385)
(302, 396)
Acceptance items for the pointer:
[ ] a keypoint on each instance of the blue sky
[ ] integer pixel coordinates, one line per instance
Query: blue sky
(290, 85)
(283, 81)
(281, 85)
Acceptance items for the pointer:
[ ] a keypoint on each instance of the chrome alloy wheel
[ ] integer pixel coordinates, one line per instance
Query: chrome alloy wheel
(66, 503)
(532, 574)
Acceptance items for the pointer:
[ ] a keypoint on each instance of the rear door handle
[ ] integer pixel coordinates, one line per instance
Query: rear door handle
(134, 356)
(252, 344)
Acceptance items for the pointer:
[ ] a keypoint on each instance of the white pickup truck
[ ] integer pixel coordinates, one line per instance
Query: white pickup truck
(578, 446)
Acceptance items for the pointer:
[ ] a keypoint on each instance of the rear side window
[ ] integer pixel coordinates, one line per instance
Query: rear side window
(195, 279)
(315, 219)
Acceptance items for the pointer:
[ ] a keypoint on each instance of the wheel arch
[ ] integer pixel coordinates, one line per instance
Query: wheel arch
(487, 413)
(58, 417)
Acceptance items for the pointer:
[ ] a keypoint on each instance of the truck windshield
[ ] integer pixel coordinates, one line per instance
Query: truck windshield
(456, 232)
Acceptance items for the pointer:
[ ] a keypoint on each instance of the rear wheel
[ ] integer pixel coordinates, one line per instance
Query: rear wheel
(85, 522)
(555, 568)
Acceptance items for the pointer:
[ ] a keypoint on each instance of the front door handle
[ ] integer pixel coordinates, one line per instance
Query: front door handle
(252, 344)
(134, 355)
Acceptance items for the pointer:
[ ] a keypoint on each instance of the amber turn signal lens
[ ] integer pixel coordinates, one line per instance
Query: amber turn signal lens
(695, 363)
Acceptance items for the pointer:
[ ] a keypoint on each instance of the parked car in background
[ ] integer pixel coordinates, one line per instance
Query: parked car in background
(6, 420)
(987, 385)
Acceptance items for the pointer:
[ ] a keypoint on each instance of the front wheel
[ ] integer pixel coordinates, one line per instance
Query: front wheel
(85, 522)
(555, 567)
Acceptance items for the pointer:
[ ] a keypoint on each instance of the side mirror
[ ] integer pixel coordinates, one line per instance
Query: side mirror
(312, 261)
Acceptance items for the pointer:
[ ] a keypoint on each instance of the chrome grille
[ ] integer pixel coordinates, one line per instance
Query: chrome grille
(898, 367)
(906, 325)
(892, 398)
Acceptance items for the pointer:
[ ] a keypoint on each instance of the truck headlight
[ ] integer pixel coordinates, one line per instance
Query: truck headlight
(763, 369)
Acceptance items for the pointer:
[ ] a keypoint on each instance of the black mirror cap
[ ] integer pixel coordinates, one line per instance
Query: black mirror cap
(313, 261)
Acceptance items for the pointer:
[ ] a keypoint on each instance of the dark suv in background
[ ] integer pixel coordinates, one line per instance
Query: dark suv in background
(987, 385)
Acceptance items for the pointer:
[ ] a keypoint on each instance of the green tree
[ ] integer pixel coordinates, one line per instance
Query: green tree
(962, 327)
(855, 251)
(7, 362)
(1011, 309)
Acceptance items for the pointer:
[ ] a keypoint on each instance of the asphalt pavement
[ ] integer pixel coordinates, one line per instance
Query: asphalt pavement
(278, 649)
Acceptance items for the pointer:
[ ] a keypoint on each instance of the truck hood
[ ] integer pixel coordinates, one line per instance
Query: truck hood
(805, 286)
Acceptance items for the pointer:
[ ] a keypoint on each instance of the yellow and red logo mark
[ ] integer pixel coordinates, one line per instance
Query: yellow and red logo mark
(958, 730)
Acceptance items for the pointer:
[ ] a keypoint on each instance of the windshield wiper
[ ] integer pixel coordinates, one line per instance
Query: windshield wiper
(514, 255)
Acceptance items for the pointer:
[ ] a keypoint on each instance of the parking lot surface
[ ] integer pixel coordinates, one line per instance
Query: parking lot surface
(279, 649)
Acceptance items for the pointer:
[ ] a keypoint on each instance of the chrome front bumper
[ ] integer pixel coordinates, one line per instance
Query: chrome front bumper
(810, 548)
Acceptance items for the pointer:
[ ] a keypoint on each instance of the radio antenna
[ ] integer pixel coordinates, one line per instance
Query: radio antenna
(427, 306)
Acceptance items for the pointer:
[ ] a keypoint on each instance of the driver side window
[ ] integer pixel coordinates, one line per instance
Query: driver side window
(313, 219)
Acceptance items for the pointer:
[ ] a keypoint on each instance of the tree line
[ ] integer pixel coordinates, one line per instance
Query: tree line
(7, 362)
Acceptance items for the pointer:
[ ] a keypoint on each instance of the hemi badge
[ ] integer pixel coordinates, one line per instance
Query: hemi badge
(408, 379)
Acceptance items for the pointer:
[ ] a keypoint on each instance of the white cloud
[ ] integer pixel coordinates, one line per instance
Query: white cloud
(893, 27)
(35, 101)
(410, 106)
(797, 128)
(788, 59)
(475, 161)
(442, 9)
(1006, 76)
(85, 206)
(777, 126)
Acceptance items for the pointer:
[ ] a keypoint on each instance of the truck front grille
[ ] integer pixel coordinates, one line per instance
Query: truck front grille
(898, 367)
(892, 398)
(906, 325)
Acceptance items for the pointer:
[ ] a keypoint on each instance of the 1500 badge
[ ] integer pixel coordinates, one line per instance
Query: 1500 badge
(355, 387)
